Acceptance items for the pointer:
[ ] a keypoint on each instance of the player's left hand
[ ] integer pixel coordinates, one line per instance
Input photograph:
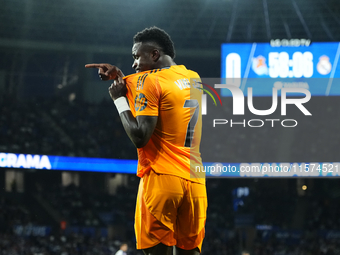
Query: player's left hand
(117, 88)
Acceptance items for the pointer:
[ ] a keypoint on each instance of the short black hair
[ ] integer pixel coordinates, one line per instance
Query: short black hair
(158, 36)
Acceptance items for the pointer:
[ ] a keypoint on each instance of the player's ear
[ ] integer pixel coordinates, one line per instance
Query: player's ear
(155, 54)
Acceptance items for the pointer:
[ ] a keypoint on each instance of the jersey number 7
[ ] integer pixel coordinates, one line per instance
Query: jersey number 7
(192, 103)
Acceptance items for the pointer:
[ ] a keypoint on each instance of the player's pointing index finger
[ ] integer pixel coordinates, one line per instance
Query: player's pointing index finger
(95, 65)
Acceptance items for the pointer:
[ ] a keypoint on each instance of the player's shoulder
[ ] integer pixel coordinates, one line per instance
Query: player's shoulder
(191, 73)
(151, 75)
(180, 70)
(142, 76)
(138, 80)
(136, 76)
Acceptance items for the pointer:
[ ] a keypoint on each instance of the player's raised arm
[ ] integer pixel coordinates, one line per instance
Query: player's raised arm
(106, 71)
(138, 129)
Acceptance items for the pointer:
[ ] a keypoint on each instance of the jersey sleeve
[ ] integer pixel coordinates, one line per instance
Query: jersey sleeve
(147, 97)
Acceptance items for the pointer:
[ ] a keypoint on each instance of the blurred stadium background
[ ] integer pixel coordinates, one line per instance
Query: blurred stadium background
(51, 105)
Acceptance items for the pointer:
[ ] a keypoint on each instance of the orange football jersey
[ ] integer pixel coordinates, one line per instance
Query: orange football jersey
(171, 94)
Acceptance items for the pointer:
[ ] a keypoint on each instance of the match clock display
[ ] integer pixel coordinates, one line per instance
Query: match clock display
(240, 61)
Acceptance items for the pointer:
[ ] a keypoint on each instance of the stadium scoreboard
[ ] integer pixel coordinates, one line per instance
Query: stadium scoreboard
(295, 64)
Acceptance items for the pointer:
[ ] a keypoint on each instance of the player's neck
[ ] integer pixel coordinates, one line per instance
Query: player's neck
(165, 61)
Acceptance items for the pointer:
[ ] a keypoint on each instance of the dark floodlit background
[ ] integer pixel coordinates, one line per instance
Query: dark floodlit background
(51, 105)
